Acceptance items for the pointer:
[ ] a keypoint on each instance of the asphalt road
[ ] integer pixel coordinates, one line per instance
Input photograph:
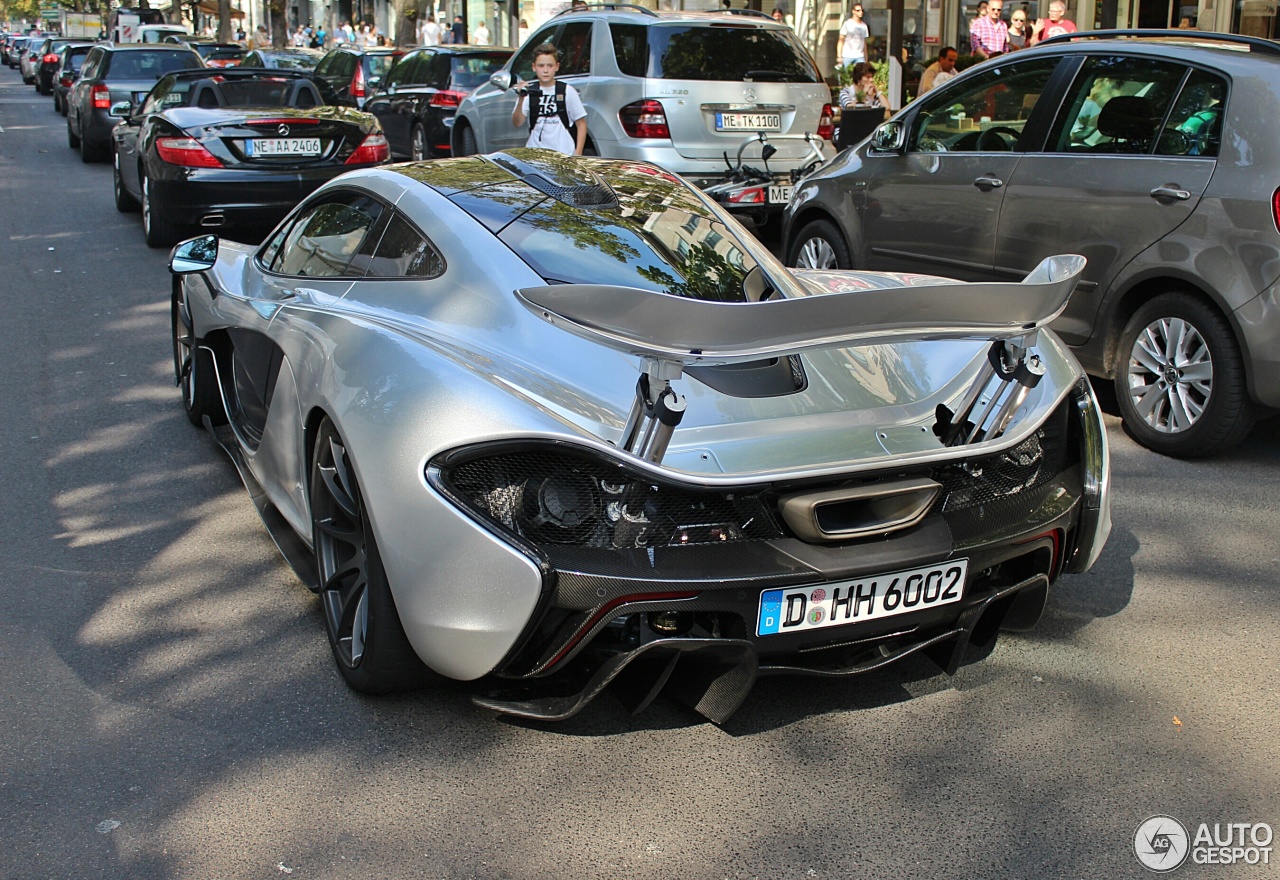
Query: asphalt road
(171, 711)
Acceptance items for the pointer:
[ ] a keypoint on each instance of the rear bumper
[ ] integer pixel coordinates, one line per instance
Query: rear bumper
(215, 198)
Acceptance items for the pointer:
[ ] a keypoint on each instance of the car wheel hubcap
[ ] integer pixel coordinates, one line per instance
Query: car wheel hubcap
(146, 205)
(817, 253)
(183, 355)
(419, 145)
(1170, 375)
(341, 553)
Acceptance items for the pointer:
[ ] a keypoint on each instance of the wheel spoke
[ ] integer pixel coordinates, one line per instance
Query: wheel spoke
(348, 535)
(1146, 399)
(1146, 353)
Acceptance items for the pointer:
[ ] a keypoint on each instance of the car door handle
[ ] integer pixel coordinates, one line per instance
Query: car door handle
(990, 182)
(1170, 191)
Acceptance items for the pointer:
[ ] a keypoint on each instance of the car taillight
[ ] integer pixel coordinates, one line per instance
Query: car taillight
(826, 125)
(357, 83)
(644, 119)
(752, 196)
(1275, 208)
(373, 149)
(447, 98)
(51, 58)
(65, 82)
(101, 97)
(187, 152)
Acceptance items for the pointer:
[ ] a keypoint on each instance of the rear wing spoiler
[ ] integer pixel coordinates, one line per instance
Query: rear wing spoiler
(693, 332)
(670, 333)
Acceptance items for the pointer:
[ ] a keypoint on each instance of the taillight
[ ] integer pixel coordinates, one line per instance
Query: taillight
(357, 82)
(644, 119)
(373, 149)
(187, 152)
(446, 98)
(1275, 208)
(751, 196)
(826, 123)
(65, 82)
(51, 58)
(101, 97)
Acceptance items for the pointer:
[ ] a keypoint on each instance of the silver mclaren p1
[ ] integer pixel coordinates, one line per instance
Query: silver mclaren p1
(558, 425)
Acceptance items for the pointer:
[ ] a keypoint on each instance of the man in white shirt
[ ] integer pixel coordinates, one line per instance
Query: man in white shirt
(480, 36)
(851, 47)
(429, 33)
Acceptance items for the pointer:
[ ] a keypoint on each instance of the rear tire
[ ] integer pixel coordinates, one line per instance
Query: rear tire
(91, 152)
(73, 139)
(369, 644)
(467, 139)
(124, 202)
(820, 246)
(418, 150)
(158, 231)
(1180, 379)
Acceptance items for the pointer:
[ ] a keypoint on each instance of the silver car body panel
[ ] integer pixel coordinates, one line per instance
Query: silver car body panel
(408, 369)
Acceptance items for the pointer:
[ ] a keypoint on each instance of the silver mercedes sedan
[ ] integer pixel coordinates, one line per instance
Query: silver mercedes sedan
(560, 425)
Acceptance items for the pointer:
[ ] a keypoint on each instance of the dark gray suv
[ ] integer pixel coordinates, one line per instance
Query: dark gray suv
(1153, 154)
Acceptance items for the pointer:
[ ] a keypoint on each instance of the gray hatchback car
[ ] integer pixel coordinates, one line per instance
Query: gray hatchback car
(1153, 154)
(696, 93)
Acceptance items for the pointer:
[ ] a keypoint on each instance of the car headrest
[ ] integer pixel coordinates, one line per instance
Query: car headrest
(207, 94)
(1128, 118)
(303, 94)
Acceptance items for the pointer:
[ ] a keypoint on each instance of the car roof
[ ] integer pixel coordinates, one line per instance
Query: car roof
(1186, 45)
(641, 15)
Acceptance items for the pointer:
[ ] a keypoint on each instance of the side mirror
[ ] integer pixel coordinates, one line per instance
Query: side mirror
(120, 109)
(501, 80)
(194, 255)
(375, 81)
(889, 137)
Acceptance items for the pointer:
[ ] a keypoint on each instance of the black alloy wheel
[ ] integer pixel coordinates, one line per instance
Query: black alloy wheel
(370, 647)
(193, 367)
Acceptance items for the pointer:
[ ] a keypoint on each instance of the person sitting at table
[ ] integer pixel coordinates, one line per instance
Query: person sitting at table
(862, 92)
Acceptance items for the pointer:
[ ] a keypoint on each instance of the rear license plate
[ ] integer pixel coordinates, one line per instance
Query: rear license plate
(748, 122)
(779, 195)
(800, 609)
(282, 147)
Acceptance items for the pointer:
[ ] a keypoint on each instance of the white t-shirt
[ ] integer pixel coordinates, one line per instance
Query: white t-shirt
(855, 35)
(430, 34)
(549, 132)
(480, 36)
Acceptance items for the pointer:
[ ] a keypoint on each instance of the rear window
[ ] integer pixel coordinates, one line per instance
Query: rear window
(380, 64)
(470, 71)
(722, 52)
(662, 240)
(149, 65)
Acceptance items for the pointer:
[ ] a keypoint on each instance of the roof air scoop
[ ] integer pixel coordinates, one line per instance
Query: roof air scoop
(561, 177)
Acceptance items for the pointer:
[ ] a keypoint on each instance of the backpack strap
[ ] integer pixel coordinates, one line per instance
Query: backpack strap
(562, 108)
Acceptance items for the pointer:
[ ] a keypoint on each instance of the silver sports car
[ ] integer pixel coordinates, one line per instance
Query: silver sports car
(560, 424)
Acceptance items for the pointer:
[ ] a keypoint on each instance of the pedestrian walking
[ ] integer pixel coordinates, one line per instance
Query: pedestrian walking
(551, 108)
(851, 46)
(990, 35)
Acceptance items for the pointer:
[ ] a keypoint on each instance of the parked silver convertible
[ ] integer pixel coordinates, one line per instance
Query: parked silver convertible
(559, 424)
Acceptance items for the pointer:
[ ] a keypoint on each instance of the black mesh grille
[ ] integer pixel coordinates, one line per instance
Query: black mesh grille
(557, 498)
(591, 195)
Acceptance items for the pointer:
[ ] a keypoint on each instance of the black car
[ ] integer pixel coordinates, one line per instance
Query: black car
(112, 74)
(51, 61)
(215, 54)
(69, 64)
(283, 59)
(421, 94)
(354, 72)
(233, 149)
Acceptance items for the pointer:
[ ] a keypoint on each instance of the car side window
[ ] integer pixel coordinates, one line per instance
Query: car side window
(575, 48)
(983, 114)
(324, 237)
(630, 48)
(399, 72)
(1116, 105)
(522, 64)
(1194, 127)
(404, 252)
(90, 68)
(325, 67)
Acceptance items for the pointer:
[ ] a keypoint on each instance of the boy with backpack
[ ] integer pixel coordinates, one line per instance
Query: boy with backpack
(557, 119)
